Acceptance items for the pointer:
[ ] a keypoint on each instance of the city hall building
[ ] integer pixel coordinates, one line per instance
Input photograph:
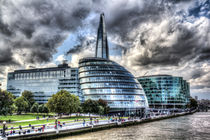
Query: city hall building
(101, 78)
(165, 91)
(44, 82)
(96, 78)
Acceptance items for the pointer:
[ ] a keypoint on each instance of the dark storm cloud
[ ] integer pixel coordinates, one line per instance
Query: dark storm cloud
(37, 26)
(6, 57)
(4, 29)
(204, 55)
(41, 26)
(185, 48)
(197, 73)
(126, 19)
(84, 43)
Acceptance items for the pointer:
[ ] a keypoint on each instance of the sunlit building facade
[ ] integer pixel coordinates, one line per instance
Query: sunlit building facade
(44, 82)
(101, 78)
(165, 91)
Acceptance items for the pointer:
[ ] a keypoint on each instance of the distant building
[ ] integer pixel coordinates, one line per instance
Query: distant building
(44, 82)
(165, 91)
(101, 78)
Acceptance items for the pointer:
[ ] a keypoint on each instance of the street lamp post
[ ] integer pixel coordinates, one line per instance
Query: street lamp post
(4, 128)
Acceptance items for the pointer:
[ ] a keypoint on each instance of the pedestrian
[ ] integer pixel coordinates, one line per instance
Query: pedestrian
(83, 122)
(13, 131)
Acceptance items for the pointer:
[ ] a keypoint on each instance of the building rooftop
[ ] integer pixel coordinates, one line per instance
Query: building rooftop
(59, 67)
(158, 75)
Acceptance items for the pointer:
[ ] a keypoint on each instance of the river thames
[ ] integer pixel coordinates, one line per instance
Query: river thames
(190, 127)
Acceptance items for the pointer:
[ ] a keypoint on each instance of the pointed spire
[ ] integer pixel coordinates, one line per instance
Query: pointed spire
(102, 49)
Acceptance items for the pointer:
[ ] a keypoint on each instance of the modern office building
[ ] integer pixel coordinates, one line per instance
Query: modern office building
(165, 91)
(44, 82)
(101, 78)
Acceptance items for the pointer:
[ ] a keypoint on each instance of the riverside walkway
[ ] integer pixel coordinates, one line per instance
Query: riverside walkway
(50, 130)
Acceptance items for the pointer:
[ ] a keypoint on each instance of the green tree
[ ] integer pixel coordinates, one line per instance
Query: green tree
(6, 102)
(75, 104)
(43, 108)
(193, 103)
(21, 104)
(80, 109)
(63, 102)
(35, 108)
(104, 105)
(90, 106)
(29, 97)
(100, 110)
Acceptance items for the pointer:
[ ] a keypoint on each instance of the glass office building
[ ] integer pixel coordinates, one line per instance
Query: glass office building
(165, 91)
(101, 78)
(44, 82)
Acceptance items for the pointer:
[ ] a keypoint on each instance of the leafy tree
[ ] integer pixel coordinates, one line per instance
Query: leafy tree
(35, 108)
(100, 110)
(6, 102)
(90, 106)
(193, 103)
(104, 105)
(63, 102)
(80, 109)
(43, 109)
(21, 104)
(75, 104)
(29, 97)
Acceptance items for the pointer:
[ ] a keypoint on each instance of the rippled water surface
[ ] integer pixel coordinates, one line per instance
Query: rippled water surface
(192, 127)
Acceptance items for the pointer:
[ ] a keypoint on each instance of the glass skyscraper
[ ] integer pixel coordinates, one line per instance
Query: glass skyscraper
(44, 82)
(101, 78)
(165, 91)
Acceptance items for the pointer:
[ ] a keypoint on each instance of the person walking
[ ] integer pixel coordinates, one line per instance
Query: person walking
(83, 122)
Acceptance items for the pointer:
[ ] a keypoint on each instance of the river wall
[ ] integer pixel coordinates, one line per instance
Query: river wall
(62, 133)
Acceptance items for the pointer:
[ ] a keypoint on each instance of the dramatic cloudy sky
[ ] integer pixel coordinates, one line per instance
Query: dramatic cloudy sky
(146, 36)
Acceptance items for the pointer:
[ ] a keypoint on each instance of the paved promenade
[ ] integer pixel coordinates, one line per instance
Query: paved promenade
(65, 126)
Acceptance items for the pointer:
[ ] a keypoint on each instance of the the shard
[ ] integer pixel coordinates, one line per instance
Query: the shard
(102, 49)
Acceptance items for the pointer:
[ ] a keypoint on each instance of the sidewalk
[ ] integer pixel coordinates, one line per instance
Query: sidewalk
(80, 126)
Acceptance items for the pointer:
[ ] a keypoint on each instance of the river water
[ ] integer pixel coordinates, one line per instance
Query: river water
(190, 127)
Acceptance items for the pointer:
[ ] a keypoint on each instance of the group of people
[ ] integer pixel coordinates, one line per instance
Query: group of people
(59, 124)
(39, 129)
(96, 121)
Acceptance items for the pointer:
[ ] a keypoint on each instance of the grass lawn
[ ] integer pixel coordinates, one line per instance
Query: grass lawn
(52, 120)
(20, 117)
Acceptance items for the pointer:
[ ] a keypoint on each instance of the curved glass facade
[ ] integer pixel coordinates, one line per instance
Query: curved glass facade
(104, 79)
(165, 91)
